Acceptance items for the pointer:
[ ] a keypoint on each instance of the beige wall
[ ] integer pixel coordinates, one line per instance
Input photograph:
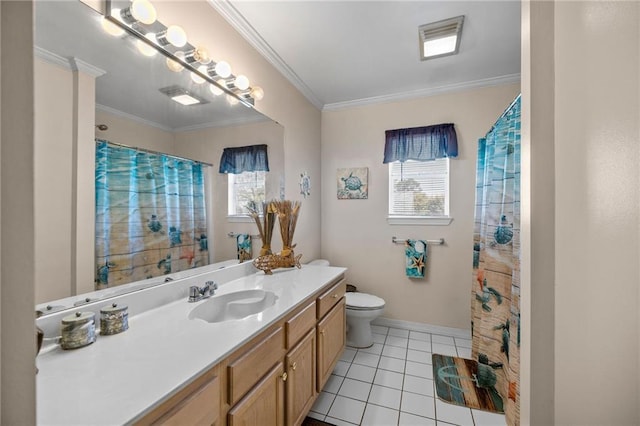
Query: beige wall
(17, 368)
(537, 387)
(597, 212)
(207, 145)
(64, 157)
(282, 103)
(53, 157)
(127, 131)
(580, 81)
(355, 233)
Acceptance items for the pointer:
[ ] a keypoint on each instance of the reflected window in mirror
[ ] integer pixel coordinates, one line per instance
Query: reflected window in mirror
(246, 189)
(246, 167)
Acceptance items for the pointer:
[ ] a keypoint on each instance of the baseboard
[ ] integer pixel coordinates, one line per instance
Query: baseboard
(425, 328)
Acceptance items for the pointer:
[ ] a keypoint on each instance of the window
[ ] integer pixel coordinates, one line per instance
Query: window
(419, 190)
(245, 188)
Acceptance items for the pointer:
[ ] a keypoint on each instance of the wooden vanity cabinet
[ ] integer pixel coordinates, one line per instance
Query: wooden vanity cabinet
(264, 404)
(301, 380)
(331, 341)
(273, 379)
(198, 403)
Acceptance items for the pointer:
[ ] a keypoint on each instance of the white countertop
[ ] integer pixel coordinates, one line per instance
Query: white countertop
(119, 378)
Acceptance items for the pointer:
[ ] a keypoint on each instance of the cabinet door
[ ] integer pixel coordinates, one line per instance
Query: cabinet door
(264, 404)
(301, 381)
(331, 341)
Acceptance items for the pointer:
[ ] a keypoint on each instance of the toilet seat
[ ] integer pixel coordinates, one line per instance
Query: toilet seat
(363, 301)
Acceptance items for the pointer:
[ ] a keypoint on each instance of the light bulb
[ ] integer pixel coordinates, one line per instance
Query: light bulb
(143, 11)
(144, 48)
(196, 78)
(257, 93)
(111, 28)
(241, 82)
(175, 66)
(223, 69)
(176, 36)
(215, 90)
(232, 100)
(201, 55)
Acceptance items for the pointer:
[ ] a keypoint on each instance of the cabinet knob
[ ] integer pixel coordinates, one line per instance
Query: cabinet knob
(335, 296)
(294, 366)
(284, 376)
(322, 332)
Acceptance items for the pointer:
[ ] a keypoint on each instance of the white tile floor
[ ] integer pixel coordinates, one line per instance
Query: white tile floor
(391, 383)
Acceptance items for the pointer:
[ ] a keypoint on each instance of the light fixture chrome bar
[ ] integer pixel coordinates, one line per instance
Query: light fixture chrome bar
(134, 30)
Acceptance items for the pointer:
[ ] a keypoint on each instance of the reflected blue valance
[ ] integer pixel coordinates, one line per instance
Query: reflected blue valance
(240, 159)
(421, 143)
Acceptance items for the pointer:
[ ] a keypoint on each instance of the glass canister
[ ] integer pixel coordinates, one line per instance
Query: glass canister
(114, 319)
(78, 330)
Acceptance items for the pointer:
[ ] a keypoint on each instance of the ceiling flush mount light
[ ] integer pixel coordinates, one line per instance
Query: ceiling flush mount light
(139, 20)
(440, 38)
(183, 96)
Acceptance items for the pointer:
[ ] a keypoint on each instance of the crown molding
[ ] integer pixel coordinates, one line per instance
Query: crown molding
(132, 117)
(72, 64)
(209, 125)
(51, 57)
(85, 67)
(237, 21)
(228, 123)
(423, 93)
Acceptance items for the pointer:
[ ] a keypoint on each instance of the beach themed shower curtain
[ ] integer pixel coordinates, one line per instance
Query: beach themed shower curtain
(150, 215)
(495, 304)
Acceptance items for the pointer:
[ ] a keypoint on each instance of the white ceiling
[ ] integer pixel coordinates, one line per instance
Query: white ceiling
(341, 53)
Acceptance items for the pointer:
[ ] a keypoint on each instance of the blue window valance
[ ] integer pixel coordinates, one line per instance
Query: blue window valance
(240, 159)
(421, 143)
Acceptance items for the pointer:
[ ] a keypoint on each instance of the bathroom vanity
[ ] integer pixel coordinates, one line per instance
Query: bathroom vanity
(176, 369)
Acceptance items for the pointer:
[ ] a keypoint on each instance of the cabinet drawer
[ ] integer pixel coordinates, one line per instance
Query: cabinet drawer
(247, 370)
(331, 297)
(300, 324)
(200, 408)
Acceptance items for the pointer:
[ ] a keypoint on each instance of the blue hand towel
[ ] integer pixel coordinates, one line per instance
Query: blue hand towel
(243, 243)
(416, 257)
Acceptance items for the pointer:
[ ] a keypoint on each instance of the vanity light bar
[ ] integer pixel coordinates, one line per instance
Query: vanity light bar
(196, 60)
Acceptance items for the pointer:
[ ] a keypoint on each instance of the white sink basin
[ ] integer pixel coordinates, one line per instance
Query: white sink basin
(233, 306)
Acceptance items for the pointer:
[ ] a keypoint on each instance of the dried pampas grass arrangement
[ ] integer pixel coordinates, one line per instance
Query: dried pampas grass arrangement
(287, 212)
(265, 225)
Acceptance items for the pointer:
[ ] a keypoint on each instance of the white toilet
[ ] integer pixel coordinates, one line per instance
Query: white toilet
(362, 308)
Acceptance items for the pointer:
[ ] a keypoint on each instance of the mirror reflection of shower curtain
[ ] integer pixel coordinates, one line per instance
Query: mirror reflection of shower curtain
(150, 215)
(495, 294)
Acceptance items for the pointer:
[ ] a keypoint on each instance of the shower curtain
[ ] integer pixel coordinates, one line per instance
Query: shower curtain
(495, 296)
(150, 215)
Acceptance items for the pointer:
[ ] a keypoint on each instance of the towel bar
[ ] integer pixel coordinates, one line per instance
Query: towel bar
(233, 235)
(438, 242)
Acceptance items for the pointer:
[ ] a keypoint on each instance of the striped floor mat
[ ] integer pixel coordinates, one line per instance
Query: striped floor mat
(455, 383)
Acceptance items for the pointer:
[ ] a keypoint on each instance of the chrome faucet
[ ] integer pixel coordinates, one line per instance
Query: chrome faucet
(196, 293)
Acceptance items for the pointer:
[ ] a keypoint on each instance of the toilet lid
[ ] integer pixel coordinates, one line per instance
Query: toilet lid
(363, 301)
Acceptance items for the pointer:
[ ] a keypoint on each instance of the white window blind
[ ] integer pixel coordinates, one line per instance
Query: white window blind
(419, 188)
(245, 188)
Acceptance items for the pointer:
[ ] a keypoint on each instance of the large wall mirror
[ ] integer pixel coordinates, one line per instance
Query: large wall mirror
(90, 85)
